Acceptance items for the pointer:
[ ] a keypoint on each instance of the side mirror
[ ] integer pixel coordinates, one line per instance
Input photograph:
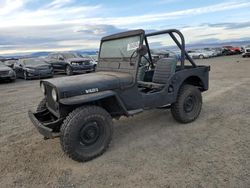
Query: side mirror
(142, 50)
(61, 58)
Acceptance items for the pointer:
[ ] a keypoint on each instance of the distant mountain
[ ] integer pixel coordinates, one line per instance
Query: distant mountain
(213, 43)
(94, 52)
(39, 54)
(208, 43)
(43, 54)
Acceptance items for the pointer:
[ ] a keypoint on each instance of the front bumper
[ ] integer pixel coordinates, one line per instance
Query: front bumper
(7, 77)
(83, 68)
(45, 123)
(39, 74)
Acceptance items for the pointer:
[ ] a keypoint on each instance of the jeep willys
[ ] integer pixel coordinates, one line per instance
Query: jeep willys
(79, 109)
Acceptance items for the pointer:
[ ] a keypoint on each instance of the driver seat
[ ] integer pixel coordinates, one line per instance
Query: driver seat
(164, 68)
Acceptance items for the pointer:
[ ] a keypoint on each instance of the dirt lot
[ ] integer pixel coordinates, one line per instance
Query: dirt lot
(148, 150)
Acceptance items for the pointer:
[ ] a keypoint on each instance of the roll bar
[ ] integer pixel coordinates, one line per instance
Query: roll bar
(181, 45)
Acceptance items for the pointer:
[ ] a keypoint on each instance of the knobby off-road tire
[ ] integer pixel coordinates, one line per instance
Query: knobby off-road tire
(188, 105)
(86, 133)
(42, 105)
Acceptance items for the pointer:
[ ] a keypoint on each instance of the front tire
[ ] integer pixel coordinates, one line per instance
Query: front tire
(188, 106)
(69, 70)
(86, 133)
(25, 75)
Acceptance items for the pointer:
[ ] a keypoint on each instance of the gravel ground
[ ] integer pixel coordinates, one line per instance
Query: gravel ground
(148, 150)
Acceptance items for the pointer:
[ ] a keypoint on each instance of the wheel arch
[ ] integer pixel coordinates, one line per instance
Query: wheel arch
(108, 100)
(195, 81)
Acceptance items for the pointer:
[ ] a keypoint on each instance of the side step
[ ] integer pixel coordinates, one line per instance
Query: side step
(133, 112)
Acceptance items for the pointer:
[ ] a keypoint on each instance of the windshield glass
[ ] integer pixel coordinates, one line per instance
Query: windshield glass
(70, 55)
(119, 48)
(33, 61)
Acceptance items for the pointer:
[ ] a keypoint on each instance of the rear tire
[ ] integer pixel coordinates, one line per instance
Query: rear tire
(188, 106)
(69, 70)
(86, 133)
(201, 57)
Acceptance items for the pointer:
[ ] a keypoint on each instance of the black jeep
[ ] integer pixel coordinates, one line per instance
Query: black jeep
(79, 109)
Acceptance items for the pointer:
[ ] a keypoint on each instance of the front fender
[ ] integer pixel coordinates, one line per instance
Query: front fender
(88, 98)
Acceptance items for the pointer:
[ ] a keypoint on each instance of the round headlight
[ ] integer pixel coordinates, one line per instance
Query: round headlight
(42, 88)
(54, 94)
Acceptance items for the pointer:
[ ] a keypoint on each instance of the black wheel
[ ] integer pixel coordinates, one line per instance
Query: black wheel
(201, 57)
(25, 75)
(86, 133)
(188, 105)
(42, 105)
(69, 70)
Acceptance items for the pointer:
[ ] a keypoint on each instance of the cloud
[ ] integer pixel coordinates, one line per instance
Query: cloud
(238, 25)
(53, 37)
(59, 3)
(168, 1)
(99, 30)
(68, 24)
(150, 18)
(8, 6)
(208, 35)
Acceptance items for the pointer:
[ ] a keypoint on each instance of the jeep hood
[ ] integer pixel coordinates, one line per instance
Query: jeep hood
(89, 83)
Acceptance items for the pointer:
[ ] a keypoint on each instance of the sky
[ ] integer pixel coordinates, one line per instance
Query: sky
(65, 25)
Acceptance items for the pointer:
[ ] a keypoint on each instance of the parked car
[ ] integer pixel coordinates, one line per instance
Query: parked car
(210, 52)
(218, 51)
(33, 68)
(70, 63)
(226, 52)
(93, 60)
(10, 63)
(199, 54)
(246, 51)
(159, 53)
(7, 73)
(234, 50)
